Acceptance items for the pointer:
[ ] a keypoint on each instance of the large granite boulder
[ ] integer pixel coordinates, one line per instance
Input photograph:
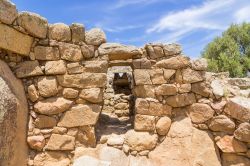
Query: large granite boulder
(185, 146)
(13, 119)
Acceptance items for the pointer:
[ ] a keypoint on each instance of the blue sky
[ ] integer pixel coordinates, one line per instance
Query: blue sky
(192, 23)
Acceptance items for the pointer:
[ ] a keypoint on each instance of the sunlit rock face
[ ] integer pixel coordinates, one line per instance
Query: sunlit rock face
(13, 119)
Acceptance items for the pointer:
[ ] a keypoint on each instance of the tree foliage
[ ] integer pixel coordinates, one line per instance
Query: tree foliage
(231, 51)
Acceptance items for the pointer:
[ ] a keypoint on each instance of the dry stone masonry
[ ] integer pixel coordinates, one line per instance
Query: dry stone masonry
(171, 112)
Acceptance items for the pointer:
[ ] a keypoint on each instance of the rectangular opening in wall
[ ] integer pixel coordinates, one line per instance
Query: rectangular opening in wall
(117, 113)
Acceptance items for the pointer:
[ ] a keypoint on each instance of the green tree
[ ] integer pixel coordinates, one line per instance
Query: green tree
(231, 51)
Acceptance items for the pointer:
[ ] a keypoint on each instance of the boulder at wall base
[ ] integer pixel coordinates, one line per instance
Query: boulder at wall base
(13, 119)
(139, 141)
(51, 158)
(185, 146)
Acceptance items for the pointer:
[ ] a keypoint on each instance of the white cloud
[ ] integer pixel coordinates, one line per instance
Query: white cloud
(120, 28)
(243, 14)
(214, 15)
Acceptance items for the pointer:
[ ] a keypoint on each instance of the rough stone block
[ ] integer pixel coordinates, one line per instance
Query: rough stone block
(84, 80)
(61, 142)
(46, 53)
(28, 69)
(13, 40)
(80, 115)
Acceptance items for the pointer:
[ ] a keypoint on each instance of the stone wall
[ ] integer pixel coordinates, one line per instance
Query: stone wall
(64, 71)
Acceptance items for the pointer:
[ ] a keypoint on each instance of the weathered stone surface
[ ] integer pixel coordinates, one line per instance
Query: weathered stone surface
(36, 142)
(70, 52)
(142, 77)
(52, 106)
(60, 142)
(166, 90)
(43, 121)
(157, 76)
(115, 156)
(86, 136)
(59, 32)
(181, 100)
(59, 130)
(75, 68)
(140, 141)
(144, 123)
(117, 51)
(47, 86)
(185, 146)
(177, 62)
(172, 49)
(13, 40)
(144, 91)
(85, 80)
(55, 67)
(28, 69)
(222, 123)
(242, 83)
(88, 160)
(159, 52)
(192, 76)
(46, 53)
(33, 23)
(238, 108)
(142, 63)
(242, 133)
(168, 73)
(80, 115)
(121, 106)
(163, 125)
(78, 33)
(8, 12)
(88, 51)
(13, 119)
(178, 77)
(96, 66)
(228, 144)
(218, 106)
(32, 92)
(115, 140)
(151, 107)
(200, 113)
(93, 95)
(51, 158)
(217, 88)
(70, 93)
(111, 156)
(155, 51)
(184, 88)
(234, 160)
(199, 64)
(201, 88)
(95, 37)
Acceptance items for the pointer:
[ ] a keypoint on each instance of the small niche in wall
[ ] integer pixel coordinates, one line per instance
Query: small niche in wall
(121, 83)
